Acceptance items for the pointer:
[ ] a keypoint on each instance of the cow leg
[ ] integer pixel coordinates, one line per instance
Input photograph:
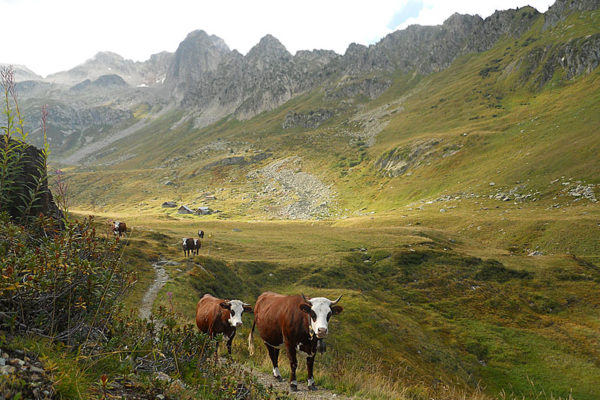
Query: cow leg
(229, 342)
(274, 354)
(310, 362)
(291, 350)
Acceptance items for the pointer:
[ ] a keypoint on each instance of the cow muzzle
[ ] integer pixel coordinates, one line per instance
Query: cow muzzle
(238, 324)
(321, 333)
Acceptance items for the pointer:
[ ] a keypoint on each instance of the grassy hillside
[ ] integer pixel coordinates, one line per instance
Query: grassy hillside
(461, 223)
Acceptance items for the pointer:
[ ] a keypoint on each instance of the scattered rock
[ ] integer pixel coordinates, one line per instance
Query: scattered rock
(535, 253)
(161, 376)
(309, 120)
(24, 374)
(584, 191)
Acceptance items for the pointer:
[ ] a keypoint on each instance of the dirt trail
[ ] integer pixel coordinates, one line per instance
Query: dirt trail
(303, 393)
(159, 281)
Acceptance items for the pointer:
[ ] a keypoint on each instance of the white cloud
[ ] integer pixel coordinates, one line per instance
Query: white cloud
(50, 36)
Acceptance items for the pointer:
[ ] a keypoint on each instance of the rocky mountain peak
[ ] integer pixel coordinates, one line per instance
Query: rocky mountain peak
(198, 54)
(203, 39)
(22, 73)
(269, 47)
(107, 57)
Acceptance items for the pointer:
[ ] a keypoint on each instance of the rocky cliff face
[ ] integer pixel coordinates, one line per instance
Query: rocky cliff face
(561, 9)
(428, 49)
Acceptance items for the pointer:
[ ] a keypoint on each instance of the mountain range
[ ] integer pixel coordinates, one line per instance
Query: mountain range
(210, 81)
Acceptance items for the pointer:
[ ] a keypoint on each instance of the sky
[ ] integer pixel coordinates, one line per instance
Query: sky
(50, 36)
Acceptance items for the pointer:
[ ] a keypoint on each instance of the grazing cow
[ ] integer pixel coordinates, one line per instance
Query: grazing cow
(295, 322)
(188, 245)
(201, 234)
(214, 316)
(119, 228)
(197, 246)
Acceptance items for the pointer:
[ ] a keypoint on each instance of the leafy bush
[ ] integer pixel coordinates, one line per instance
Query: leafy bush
(64, 284)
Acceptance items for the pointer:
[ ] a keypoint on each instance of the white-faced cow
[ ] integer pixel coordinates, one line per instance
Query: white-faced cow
(295, 322)
(119, 228)
(214, 316)
(201, 234)
(188, 246)
(197, 246)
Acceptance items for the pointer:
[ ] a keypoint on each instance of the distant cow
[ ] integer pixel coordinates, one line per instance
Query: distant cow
(201, 234)
(295, 322)
(188, 245)
(214, 316)
(197, 246)
(119, 228)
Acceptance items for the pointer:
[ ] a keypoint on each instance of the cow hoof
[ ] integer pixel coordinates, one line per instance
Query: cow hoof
(294, 388)
(279, 379)
(312, 387)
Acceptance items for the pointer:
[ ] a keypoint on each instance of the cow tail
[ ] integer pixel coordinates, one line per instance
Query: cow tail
(251, 339)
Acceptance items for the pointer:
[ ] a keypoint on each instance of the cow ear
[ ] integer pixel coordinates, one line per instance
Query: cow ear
(336, 309)
(225, 305)
(248, 309)
(305, 308)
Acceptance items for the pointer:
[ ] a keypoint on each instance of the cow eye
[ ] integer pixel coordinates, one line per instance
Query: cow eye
(232, 313)
(313, 315)
(328, 315)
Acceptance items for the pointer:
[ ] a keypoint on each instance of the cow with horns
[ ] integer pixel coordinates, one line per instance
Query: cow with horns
(214, 316)
(119, 228)
(296, 323)
(189, 246)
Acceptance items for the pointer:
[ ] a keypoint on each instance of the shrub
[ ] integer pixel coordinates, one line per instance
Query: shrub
(64, 284)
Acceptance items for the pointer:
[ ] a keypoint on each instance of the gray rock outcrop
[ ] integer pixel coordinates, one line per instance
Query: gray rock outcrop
(30, 171)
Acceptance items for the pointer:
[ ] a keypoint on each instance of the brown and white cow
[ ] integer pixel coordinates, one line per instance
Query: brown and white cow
(197, 246)
(119, 228)
(214, 316)
(293, 322)
(189, 246)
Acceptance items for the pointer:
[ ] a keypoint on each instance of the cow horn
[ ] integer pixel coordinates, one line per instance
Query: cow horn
(333, 303)
(307, 301)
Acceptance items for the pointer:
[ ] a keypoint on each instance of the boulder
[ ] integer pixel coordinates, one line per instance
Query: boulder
(28, 173)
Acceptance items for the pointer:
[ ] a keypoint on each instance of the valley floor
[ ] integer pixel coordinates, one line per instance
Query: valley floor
(487, 293)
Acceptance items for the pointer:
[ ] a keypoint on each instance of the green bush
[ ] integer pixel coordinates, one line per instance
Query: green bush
(65, 284)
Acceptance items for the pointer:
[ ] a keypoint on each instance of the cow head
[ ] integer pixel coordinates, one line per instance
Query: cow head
(236, 308)
(320, 309)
